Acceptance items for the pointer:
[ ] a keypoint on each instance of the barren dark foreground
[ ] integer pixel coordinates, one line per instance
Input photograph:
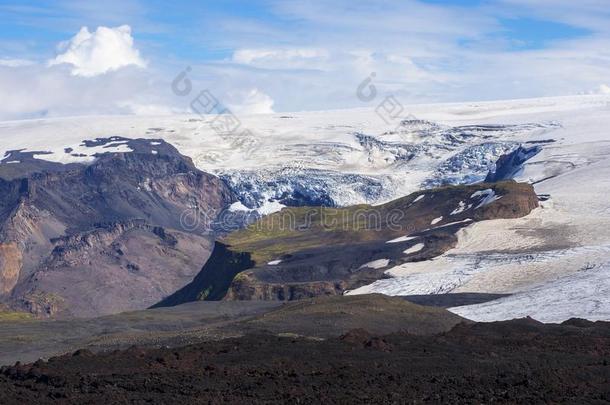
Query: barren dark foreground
(519, 361)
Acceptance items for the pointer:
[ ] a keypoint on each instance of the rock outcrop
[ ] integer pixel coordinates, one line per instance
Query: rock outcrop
(10, 266)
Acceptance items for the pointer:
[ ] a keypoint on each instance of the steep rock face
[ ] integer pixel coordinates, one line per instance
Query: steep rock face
(10, 266)
(222, 266)
(509, 165)
(29, 231)
(118, 234)
(312, 251)
(122, 265)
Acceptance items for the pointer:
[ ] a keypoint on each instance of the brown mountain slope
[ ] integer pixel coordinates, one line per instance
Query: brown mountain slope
(85, 240)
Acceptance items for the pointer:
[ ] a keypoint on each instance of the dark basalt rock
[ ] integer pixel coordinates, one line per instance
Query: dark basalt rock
(500, 362)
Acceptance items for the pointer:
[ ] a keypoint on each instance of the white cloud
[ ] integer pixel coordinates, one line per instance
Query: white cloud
(95, 53)
(137, 108)
(253, 101)
(281, 58)
(39, 91)
(96, 73)
(604, 89)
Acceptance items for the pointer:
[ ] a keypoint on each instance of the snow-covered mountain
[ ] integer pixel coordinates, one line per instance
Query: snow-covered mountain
(333, 157)
(554, 262)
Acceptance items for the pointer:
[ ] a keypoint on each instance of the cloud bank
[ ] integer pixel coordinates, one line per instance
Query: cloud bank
(94, 53)
(305, 55)
(250, 102)
(99, 72)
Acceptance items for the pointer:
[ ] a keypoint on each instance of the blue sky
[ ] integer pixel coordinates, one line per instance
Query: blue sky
(300, 55)
(188, 29)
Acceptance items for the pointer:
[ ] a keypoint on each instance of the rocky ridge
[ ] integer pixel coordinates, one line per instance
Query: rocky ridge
(90, 239)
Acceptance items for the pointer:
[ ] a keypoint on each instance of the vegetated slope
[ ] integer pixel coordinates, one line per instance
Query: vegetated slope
(325, 317)
(201, 321)
(104, 237)
(310, 251)
(26, 339)
(520, 361)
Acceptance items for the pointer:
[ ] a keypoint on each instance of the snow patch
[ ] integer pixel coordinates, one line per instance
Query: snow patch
(448, 224)
(269, 207)
(419, 198)
(436, 220)
(238, 206)
(274, 262)
(487, 197)
(414, 249)
(402, 239)
(376, 264)
(80, 153)
(461, 208)
(578, 295)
